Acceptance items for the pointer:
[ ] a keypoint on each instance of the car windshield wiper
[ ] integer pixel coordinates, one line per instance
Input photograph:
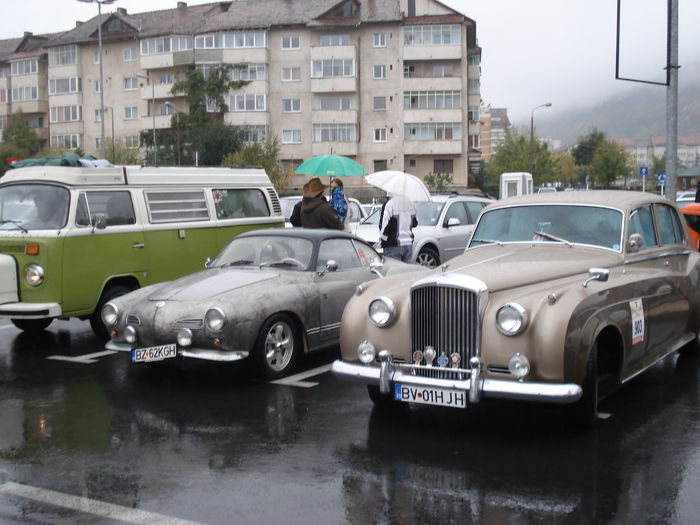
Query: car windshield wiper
(552, 237)
(488, 241)
(239, 262)
(16, 223)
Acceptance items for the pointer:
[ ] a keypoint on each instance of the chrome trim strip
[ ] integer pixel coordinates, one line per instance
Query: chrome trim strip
(324, 328)
(493, 388)
(30, 310)
(652, 256)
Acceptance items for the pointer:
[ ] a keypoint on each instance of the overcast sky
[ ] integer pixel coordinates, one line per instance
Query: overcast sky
(533, 51)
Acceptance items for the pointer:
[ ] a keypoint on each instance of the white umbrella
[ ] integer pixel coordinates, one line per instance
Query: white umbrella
(400, 183)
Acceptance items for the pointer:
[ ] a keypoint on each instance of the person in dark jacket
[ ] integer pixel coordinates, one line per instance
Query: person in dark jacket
(315, 210)
(295, 217)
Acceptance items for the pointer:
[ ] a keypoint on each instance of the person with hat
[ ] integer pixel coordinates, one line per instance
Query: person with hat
(315, 210)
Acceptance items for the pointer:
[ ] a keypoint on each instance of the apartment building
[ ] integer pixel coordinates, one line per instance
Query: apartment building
(394, 84)
(642, 150)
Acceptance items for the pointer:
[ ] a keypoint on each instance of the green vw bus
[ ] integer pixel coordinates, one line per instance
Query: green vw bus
(71, 239)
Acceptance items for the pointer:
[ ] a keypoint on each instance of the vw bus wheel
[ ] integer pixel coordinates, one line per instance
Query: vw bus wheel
(110, 293)
(428, 257)
(277, 346)
(32, 326)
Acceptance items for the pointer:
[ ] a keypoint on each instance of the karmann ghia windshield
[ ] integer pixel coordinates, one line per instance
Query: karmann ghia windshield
(293, 253)
(33, 207)
(552, 223)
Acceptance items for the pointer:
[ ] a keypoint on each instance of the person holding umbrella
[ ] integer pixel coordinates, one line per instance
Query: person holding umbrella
(396, 230)
(315, 210)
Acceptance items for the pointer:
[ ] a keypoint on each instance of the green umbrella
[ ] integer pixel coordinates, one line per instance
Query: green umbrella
(330, 165)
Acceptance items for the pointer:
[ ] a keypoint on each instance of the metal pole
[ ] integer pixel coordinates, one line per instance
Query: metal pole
(153, 108)
(671, 164)
(102, 86)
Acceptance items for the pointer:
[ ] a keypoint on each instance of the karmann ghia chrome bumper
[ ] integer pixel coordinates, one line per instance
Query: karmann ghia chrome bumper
(390, 373)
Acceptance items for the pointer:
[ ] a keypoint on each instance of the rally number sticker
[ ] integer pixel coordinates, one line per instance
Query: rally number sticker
(637, 314)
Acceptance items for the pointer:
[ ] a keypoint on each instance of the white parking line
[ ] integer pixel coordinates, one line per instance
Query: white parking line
(86, 359)
(295, 380)
(90, 506)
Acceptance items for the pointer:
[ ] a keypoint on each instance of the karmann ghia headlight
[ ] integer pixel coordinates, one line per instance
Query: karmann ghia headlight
(215, 319)
(511, 319)
(34, 274)
(110, 314)
(382, 312)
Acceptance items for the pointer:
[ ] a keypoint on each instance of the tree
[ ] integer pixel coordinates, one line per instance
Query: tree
(610, 161)
(120, 154)
(565, 169)
(438, 182)
(21, 135)
(517, 153)
(9, 151)
(585, 150)
(265, 156)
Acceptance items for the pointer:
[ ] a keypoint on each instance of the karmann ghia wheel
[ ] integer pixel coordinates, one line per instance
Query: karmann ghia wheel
(277, 346)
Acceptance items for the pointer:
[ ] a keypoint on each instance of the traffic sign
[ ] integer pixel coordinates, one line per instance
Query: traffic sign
(643, 170)
(661, 178)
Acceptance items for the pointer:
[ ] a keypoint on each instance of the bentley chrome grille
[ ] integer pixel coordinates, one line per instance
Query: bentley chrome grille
(446, 320)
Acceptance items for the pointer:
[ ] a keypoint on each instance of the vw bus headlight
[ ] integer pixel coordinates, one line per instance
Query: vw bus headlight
(366, 352)
(184, 337)
(382, 312)
(110, 314)
(34, 274)
(130, 334)
(519, 366)
(511, 319)
(215, 319)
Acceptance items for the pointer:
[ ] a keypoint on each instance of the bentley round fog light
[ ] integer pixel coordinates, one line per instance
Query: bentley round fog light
(366, 352)
(184, 337)
(215, 319)
(382, 311)
(34, 274)
(130, 334)
(519, 366)
(110, 314)
(511, 319)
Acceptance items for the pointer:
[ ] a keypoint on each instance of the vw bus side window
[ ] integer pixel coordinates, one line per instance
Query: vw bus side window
(231, 204)
(116, 206)
(175, 206)
(33, 207)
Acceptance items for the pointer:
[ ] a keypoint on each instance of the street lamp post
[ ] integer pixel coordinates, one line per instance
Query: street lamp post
(153, 112)
(102, 87)
(177, 125)
(532, 133)
(111, 112)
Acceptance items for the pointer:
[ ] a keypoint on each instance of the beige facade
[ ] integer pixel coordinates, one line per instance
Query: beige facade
(392, 83)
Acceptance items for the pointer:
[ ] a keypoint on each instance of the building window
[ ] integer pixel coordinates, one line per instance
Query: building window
(65, 114)
(379, 72)
(35, 122)
(131, 113)
(334, 103)
(131, 141)
(97, 86)
(379, 103)
(247, 102)
(72, 141)
(291, 42)
(379, 40)
(334, 40)
(166, 109)
(249, 72)
(432, 99)
(98, 115)
(473, 141)
(24, 93)
(4, 96)
(291, 105)
(129, 54)
(332, 68)
(62, 86)
(443, 166)
(290, 164)
(231, 40)
(473, 86)
(379, 134)
(291, 136)
(155, 46)
(98, 143)
(24, 67)
(380, 165)
(131, 83)
(443, 70)
(334, 133)
(166, 78)
(411, 163)
(253, 133)
(64, 55)
(96, 57)
(473, 114)
(433, 131)
(432, 35)
(291, 74)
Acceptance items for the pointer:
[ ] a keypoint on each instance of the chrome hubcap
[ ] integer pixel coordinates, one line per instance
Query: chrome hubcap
(279, 346)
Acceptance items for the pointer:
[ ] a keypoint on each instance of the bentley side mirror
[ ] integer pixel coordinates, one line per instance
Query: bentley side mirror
(597, 274)
(635, 242)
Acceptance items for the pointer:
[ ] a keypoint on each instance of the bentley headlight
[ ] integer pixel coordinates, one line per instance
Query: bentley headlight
(184, 337)
(511, 319)
(34, 274)
(215, 319)
(366, 352)
(110, 314)
(519, 366)
(382, 312)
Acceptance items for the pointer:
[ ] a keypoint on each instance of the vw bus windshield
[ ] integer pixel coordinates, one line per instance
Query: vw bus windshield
(33, 207)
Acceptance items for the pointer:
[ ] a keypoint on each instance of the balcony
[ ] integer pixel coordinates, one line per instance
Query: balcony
(334, 85)
(337, 148)
(432, 84)
(158, 91)
(432, 115)
(31, 106)
(247, 118)
(333, 52)
(452, 52)
(249, 55)
(348, 116)
(162, 122)
(432, 147)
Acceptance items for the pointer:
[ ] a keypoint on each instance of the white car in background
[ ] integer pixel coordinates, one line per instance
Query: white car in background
(444, 227)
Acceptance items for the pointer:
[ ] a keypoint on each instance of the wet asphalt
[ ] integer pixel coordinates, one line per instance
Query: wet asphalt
(100, 441)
